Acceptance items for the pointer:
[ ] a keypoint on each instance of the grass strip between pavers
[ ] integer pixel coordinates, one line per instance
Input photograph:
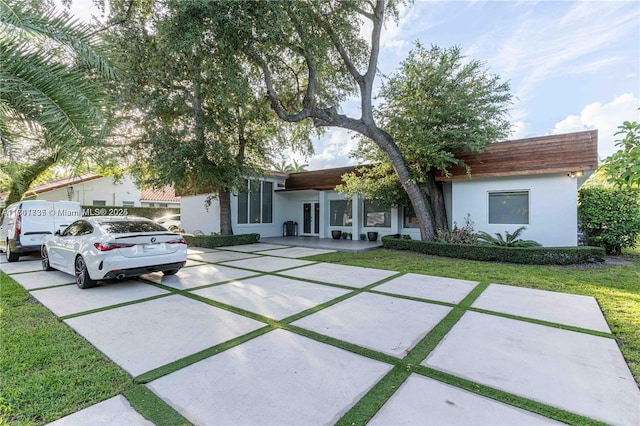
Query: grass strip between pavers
(110, 307)
(379, 394)
(367, 407)
(47, 370)
(271, 324)
(153, 408)
(51, 286)
(545, 323)
(199, 356)
(507, 398)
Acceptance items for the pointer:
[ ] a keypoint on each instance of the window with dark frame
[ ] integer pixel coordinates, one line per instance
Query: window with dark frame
(341, 213)
(376, 214)
(509, 207)
(255, 203)
(409, 220)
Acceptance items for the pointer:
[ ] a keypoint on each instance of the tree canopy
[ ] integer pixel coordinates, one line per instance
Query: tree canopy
(623, 167)
(312, 56)
(52, 103)
(437, 104)
(202, 124)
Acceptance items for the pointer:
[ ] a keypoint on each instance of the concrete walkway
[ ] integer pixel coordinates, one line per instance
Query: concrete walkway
(300, 342)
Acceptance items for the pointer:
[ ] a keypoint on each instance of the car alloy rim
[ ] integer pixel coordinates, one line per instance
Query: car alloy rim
(79, 271)
(45, 258)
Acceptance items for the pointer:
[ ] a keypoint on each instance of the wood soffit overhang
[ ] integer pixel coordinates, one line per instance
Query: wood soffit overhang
(319, 180)
(533, 156)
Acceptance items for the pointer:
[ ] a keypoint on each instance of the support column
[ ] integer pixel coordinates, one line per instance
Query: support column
(355, 217)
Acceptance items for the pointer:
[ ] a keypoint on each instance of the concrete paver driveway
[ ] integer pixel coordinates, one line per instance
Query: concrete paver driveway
(252, 335)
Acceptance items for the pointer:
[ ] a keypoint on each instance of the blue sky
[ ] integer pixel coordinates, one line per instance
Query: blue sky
(572, 65)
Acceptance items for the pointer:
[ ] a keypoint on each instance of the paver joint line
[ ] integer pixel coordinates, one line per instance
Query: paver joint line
(377, 396)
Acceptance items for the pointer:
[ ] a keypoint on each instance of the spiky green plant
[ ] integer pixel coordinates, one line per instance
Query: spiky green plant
(511, 239)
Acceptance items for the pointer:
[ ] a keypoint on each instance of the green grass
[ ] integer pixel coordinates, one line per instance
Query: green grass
(47, 370)
(616, 288)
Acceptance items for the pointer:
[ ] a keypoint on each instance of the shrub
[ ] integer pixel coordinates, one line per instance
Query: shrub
(464, 235)
(511, 239)
(485, 252)
(610, 217)
(212, 241)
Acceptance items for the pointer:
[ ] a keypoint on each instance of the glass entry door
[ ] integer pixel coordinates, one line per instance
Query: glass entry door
(311, 218)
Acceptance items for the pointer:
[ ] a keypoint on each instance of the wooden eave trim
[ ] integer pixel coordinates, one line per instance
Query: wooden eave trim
(548, 171)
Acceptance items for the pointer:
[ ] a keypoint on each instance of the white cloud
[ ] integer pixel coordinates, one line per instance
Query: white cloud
(541, 46)
(520, 130)
(604, 117)
(333, 150)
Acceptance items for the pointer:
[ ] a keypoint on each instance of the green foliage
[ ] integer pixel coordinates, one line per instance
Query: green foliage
(439, 103)
(376, 182)
(511, 239)
(48, 370)
(485, 252)
(464, 235)
(610, 217)
(293, 167)
(623, 167)
(213, 241)
(206, 125)
(435, 105)
(52, 102)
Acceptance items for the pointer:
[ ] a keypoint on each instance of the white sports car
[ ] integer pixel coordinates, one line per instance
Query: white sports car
(113, 247)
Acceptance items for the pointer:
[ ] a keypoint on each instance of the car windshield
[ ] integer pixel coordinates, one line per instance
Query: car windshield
(125, 227)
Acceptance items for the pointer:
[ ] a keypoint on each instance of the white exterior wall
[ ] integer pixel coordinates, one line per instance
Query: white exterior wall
(104, 189)
(273, 229)
(553, 211)
(195, 216)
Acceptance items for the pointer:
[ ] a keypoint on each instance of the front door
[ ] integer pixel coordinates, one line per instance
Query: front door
(311, 218)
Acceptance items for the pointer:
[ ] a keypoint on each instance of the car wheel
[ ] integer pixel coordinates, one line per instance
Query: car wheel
(45, 260)
(83, 280)
(11, 256)
(171, 272)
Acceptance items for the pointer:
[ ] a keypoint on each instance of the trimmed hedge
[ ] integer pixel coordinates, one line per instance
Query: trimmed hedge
(213, 241)
(148, 212)
(485, 252)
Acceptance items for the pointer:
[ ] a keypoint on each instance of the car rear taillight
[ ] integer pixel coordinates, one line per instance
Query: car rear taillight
(18, 225)
(111, 246)
(178, 241)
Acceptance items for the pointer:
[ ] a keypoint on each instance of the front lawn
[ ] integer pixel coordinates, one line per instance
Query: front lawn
(47, 370)
(616, 288)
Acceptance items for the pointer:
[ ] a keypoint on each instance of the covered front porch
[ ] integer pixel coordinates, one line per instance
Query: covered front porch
(352, 246)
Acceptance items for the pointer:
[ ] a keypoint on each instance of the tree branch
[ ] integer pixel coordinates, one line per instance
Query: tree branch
(344, 55)
(273, 95)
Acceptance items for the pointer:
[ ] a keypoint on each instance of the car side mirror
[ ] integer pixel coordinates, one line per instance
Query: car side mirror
(58, 232)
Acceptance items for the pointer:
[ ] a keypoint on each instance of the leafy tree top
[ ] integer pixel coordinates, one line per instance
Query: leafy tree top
(623, 167)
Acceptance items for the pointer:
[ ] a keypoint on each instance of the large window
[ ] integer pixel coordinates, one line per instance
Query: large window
(255, 204)
(341, 213)
(376, 214)
(410, 220)
(509, 207)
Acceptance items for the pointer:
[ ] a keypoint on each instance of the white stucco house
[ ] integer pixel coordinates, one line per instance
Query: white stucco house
(529, 182)
(92, 189)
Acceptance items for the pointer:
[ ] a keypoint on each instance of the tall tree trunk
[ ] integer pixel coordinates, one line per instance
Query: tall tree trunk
(435, 195)
(224, 197)
(21, 183)
(421, 205)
